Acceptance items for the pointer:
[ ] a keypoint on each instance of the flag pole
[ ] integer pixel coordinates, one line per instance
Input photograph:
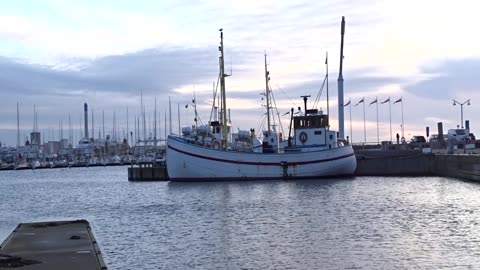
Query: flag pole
(390, 112)
(364, 126)
(351, 133)
(378, 134)
(403, 125)
(328, 107)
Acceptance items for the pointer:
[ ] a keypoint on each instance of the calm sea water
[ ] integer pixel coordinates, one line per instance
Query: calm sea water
(361, 223)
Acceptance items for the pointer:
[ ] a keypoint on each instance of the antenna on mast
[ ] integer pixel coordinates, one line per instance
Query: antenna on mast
(195, 109)
(267, 94)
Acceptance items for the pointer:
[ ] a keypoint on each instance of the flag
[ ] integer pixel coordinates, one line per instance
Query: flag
(399, 100)
(386, 100)
(346, 104)
(326, 59)
(373, 102)
(361, 101)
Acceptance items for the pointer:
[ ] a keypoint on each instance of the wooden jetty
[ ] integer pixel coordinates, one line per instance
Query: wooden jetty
(148, 172)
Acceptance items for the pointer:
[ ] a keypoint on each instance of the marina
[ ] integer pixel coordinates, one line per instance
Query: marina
(181, 152)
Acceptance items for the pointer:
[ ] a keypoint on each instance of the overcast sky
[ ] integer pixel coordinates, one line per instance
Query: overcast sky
(60, 54)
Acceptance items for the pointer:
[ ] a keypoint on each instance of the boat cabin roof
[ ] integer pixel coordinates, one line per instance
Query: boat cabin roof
(310, 121)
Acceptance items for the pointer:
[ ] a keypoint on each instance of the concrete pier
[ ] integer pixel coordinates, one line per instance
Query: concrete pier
(393, 163)
(460, 166)
(415, 163)
(51, 246)
(148, 172)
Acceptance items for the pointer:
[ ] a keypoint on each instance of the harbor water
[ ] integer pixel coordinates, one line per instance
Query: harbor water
(352, 223)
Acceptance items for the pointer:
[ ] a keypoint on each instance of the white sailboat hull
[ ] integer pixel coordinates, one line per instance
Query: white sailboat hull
(191, 162)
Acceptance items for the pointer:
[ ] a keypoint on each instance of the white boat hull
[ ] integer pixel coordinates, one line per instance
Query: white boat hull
(190, 162)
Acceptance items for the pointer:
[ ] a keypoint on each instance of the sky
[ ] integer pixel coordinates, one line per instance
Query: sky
(56, 55)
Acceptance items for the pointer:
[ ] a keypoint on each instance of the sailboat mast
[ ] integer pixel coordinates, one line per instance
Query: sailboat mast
(178, 117)
(169, 115)
(70, 139)
(34, 119)
(328, 105)
(222, 93)
(267, 95)
(18, 126)
(103, 124)
(93, 126)
(144, 120)
(155, 125)
(114, 135)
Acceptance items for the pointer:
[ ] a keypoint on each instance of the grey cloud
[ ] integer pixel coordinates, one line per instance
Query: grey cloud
(446, 79)
(110, 83)
(151, 70)
(356, 81)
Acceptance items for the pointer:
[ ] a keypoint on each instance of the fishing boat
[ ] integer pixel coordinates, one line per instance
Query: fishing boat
(311, 150)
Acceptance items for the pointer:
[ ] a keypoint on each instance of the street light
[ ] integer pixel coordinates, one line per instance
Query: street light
(461, 108)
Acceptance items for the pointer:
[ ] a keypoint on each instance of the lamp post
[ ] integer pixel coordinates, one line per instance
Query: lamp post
(461, 109)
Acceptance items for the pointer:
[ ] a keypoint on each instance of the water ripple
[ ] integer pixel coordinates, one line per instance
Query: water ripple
(361, 223)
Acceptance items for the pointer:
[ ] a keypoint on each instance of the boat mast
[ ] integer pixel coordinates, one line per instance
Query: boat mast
(70, 139)
(222, 93)
(18, 127)
(170, 115)
(267, 95)
(195, 109)
(340, 86)
(93, 125)
(179, 125)
(34, 118)
(155, 125)
(328, 106)
(103, 125)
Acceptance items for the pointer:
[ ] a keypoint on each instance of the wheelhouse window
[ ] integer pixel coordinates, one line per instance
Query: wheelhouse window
(311, 121)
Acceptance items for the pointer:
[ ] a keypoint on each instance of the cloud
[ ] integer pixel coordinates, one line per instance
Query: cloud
(152, 71)
(22, 30)
(448, 79)
(61, 54)
(110, 83)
